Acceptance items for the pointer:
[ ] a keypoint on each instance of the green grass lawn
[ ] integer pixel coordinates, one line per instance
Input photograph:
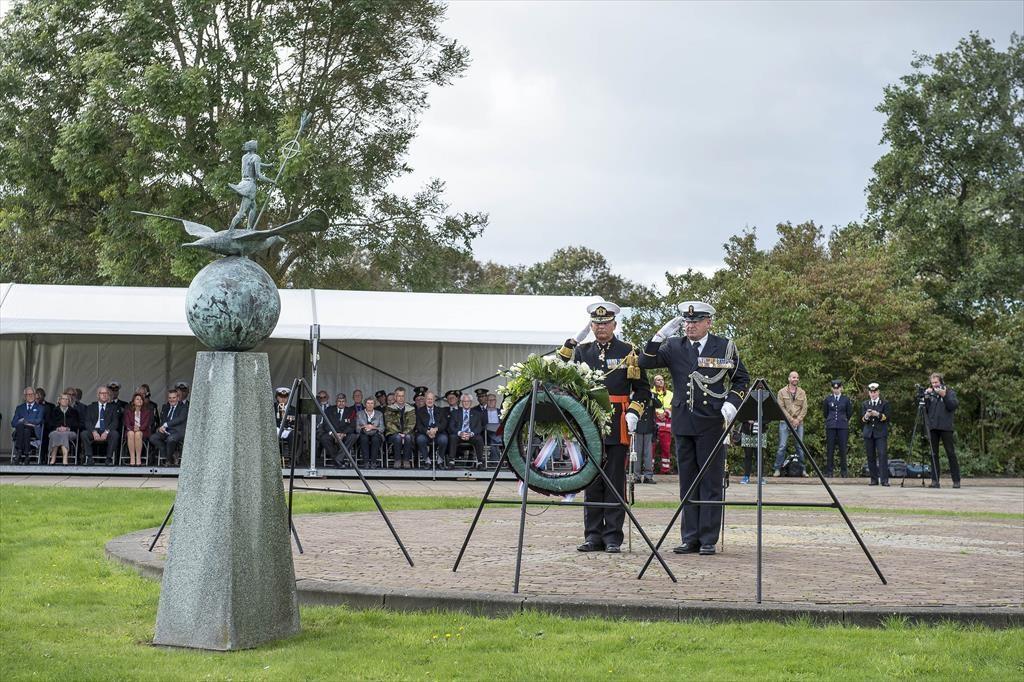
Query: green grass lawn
(68, 613)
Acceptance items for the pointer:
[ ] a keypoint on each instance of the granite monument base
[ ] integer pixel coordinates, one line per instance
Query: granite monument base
(229, 581)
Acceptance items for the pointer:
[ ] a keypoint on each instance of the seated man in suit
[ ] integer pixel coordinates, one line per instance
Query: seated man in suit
(343, 419)
(28, 425)
(400, 420)
(171, 432)
(466, 425)
(370, 427)
(102, 425)
(432, 429)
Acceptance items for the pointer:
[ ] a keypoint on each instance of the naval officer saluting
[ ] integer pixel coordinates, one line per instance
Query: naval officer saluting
(702, 364)
(629, 392)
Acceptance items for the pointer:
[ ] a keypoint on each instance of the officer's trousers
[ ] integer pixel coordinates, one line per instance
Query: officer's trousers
(835, 438)
(701, 522)
(603, 525)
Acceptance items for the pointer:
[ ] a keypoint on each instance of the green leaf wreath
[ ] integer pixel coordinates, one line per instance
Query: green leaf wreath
(574, 378)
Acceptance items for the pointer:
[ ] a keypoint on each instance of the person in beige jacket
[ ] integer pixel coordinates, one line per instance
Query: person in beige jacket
(793, 400)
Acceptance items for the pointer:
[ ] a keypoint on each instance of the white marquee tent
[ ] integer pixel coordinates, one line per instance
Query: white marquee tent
(59, 336)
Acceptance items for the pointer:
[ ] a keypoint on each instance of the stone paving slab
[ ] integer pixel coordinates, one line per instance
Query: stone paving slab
(938, 567)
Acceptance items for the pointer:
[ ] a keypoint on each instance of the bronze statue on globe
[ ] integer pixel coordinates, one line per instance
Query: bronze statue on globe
(232, 304)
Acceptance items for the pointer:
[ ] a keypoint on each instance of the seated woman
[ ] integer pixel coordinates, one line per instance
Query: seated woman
(138, 425)
(63, 425)
(370, 427)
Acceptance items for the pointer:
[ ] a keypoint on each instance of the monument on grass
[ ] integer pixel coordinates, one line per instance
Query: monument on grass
(229, 581)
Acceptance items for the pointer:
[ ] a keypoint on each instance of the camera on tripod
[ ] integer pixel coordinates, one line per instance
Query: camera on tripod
(919, 393)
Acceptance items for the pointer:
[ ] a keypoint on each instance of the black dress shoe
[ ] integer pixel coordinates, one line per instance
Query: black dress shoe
(873, 483)
(590, 547)
(707, 550)
(650, 479)
(956, 484)
(612, 549)
(885, 483)
(933, 484)
(687, 548)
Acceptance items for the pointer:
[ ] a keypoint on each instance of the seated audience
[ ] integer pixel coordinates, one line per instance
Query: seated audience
(343, 419)
(28, 426)
(102, 426)
(466, 425)
(399, 421)
(171, 432)
(432, 430)
(357, 399)
(63, 426)
(138, 427)
(370, 426)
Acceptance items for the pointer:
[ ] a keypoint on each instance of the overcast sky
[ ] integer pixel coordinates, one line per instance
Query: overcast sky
(653, 131)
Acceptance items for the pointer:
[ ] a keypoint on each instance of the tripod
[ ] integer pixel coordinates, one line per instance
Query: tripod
(761, 401)
(577, 433)
(919, 418)
(297, 384)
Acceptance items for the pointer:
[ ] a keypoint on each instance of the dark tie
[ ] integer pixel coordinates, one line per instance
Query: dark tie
(696, 348)
(170, 415)
(465, 421)
(431, 413)
(102, 420)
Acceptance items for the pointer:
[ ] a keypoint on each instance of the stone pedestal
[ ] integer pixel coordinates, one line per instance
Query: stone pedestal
(229, 581)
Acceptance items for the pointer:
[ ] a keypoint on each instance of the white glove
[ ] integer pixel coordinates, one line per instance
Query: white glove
(583, 334)
(668, 330)
(632, 420)
(729, 412)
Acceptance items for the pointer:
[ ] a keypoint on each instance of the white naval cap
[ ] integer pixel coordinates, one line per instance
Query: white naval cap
(603, 311)
(873, 386)
(282, 390)
(696, 310)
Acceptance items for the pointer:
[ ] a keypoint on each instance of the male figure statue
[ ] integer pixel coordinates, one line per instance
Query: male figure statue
(251, 171)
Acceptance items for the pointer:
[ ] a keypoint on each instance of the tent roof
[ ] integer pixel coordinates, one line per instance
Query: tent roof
(364, 315)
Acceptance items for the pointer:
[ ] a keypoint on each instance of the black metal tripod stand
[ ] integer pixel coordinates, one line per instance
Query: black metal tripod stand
(523, 502)
(293, 396)
(919, 418)
(761, 403)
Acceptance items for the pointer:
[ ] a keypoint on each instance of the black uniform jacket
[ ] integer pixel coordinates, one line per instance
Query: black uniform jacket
(706, 412)
(837, 411)
(617, 381)
(875, 427)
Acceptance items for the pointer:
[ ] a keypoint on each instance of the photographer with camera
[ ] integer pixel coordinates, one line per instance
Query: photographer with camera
(939, 403)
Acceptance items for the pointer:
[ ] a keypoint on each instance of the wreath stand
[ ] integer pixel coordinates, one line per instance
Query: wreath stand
(311, 403)
(767, 408)
(536, 388)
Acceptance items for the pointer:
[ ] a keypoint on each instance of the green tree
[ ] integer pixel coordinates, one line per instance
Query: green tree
(580, 271)
(112, 105)
(950, 190)
(949, 196)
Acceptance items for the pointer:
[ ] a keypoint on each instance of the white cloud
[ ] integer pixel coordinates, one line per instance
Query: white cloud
(655, 131)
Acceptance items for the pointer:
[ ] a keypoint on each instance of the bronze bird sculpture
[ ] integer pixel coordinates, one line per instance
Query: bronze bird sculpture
(244, 242)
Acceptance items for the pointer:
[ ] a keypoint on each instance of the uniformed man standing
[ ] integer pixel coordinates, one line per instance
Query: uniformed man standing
(838, 410)
(710, 381)
(629, 392)
(874, 413)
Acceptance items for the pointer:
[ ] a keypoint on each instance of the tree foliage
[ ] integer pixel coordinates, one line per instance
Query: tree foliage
(112, 105)
(950, 190)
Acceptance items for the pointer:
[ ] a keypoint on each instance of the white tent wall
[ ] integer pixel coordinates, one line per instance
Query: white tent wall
(439, 366)
(12, 381)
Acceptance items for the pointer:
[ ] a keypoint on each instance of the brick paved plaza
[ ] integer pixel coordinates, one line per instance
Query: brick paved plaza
(810, 557)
